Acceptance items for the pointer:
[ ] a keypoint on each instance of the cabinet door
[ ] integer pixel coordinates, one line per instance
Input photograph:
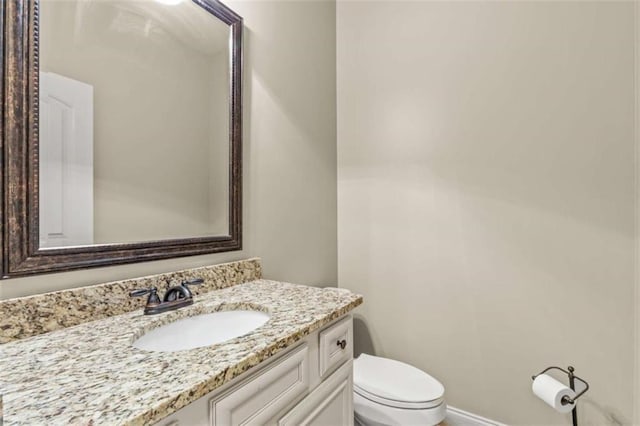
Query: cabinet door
(194, 414)
(330, 404)
(262, 396)
(186, 417)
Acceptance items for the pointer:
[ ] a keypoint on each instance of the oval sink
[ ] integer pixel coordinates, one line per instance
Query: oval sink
(201, 330)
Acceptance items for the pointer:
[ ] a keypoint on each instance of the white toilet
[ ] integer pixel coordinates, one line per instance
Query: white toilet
(389, 392)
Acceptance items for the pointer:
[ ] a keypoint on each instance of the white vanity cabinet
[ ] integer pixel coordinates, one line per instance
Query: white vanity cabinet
(311, 383)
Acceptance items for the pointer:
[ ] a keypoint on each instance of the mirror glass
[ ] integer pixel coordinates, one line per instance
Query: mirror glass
(133, 122)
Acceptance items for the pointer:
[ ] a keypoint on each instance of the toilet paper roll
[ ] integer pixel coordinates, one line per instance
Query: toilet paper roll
(551, 391)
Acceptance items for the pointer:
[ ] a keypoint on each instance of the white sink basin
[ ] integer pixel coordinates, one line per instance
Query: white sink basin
(201, 330)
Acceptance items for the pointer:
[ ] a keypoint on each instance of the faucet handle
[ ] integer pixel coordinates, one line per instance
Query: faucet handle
(192, 281)
(151, 291)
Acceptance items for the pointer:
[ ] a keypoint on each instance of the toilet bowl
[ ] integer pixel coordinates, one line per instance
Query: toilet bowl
(389, 392)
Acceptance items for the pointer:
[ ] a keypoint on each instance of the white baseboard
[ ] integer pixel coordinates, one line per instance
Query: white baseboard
(457, 417)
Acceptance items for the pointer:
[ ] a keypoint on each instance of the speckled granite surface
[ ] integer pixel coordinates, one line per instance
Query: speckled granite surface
(30, 316)
(91, 375)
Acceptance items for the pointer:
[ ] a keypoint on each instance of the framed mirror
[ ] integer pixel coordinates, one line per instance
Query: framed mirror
(122, 128)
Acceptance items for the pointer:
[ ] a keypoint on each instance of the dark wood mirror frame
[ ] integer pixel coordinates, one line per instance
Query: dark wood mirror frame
(19, 228)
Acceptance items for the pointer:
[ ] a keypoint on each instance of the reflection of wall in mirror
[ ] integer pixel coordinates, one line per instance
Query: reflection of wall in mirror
(158, 111)
(219, 131)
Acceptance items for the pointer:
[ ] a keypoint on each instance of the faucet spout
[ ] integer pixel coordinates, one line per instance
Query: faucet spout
(176, 297)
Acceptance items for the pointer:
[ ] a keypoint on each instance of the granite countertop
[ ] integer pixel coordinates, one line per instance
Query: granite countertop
(89, 374)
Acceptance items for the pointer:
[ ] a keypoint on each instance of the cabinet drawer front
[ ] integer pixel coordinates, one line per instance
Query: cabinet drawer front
(331, 403)
(336, 345)
(259, 398)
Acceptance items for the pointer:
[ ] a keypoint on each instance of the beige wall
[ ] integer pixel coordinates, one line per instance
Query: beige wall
(219, 130)
(636, 416)
(289, 153)
(486, 195)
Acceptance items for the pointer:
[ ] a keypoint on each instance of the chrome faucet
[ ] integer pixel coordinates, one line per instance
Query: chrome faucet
(176, 297)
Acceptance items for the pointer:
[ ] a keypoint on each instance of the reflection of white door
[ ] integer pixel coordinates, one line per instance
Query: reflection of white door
(66, 161)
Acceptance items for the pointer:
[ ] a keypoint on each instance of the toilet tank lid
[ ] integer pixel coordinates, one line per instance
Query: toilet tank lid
(394, 380)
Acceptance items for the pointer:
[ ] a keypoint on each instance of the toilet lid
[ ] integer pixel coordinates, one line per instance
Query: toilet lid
(395, 383)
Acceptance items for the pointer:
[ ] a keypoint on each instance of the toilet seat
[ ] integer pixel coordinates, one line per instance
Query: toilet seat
(398, 404)
(395, 384)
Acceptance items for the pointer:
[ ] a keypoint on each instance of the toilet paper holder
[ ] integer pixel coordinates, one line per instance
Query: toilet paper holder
(572, 384)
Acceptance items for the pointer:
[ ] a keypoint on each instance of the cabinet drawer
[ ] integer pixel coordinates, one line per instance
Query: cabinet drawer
(336, 345)
(261, 397)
